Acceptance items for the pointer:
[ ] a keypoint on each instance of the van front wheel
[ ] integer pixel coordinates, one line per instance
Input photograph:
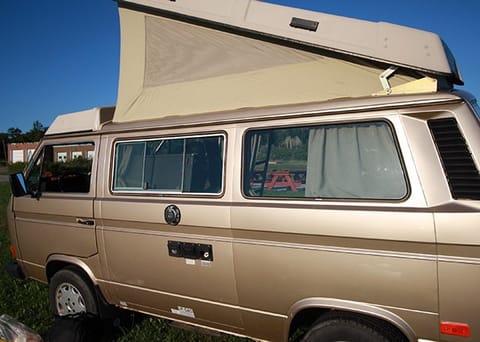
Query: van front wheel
(71, 294)
(343, 329)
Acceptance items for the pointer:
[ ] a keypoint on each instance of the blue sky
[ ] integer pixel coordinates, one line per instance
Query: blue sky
(59, 56)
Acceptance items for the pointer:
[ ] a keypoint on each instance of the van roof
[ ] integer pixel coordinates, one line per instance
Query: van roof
(332, 107)
(190, 57)
(378, 41)
(89, 120)
(100, 118)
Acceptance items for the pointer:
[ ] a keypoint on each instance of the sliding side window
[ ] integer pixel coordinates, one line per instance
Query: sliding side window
(341, 161)
(177, 165)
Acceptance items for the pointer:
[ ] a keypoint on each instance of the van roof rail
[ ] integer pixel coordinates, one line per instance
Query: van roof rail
(377, 41)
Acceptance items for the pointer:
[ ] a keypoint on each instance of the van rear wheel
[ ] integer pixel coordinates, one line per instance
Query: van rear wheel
(338, 329)
(71, 294)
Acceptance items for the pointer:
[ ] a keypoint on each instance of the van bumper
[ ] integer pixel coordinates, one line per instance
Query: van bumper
(14, 269)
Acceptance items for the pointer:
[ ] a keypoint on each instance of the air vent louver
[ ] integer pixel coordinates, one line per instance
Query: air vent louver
(460, 169)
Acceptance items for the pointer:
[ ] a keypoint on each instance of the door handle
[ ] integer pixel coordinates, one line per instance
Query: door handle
(86, 222)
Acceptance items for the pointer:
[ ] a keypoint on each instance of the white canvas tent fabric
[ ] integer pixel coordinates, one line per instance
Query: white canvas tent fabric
(170, 67)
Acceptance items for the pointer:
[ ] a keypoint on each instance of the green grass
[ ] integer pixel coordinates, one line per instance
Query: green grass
(4, 198)
(153, 329)
(16, 167)
(27, 301)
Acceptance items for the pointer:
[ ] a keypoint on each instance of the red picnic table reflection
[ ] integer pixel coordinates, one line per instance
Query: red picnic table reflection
(282, 179)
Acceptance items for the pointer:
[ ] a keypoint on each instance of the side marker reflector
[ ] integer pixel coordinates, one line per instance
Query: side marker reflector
(455, 329)
(13, 252)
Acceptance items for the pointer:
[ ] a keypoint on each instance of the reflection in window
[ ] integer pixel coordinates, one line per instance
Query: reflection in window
(77, 154)
(344, 161)
(54, 171)
(61, 156)
(179, 165)
(30, 153)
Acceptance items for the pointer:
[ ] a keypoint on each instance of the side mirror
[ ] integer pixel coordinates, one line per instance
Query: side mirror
(17, 184)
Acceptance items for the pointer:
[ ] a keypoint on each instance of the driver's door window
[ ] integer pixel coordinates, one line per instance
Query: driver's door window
(62, 168)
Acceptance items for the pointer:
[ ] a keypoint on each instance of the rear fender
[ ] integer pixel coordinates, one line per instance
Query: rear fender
(352, 307)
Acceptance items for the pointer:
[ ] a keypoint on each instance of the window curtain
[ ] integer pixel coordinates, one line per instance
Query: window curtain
(129, 163)
(354, 161)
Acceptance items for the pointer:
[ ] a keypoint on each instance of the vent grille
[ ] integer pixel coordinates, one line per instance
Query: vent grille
(462, 174)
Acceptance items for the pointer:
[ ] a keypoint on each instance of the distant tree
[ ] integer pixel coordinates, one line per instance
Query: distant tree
(36, 133)
(37, 125)
(3, 146)
(14, 135)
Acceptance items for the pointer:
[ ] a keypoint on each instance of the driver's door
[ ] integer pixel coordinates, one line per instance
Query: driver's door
(56, 214)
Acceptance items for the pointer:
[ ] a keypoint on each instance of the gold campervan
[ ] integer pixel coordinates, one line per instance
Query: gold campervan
(267, 172)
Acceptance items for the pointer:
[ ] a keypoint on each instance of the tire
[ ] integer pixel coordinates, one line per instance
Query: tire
(71, 294)
(343, 330)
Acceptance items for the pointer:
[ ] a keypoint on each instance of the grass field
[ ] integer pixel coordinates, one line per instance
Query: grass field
(24, 300)
(27, 301)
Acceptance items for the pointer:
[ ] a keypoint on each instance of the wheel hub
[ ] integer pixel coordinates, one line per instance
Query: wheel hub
(69, 300)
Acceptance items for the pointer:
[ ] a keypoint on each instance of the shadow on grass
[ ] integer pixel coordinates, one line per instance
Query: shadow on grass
(126, 326)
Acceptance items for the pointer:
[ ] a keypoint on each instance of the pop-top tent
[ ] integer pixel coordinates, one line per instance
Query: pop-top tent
(196, 56)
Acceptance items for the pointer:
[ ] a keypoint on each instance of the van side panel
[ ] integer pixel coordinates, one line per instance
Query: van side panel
(57, 231)
(366, 261)
(456, 220)
(377, 254)
(141, 271)
(146, 277)
(459, 270)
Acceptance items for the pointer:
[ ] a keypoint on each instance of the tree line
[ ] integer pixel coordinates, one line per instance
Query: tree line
(16, 135)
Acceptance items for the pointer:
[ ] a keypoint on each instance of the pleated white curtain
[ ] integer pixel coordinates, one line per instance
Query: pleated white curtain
(354, 161)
